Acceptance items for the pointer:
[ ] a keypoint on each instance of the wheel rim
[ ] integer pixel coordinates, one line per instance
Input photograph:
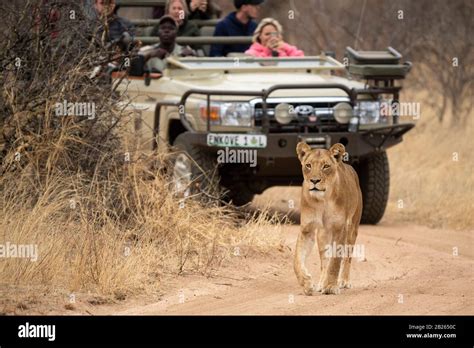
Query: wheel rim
(182, 175)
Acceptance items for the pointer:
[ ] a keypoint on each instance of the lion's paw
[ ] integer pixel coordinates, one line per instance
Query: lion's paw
(309, 289)
(331, 290)
(345, 284)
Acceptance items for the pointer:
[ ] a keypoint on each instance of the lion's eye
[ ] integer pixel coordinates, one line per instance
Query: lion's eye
(308, 165)
(326, 166)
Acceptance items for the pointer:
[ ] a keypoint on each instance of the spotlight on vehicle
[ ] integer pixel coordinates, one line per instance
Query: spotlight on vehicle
(284, 113)
(343, 112)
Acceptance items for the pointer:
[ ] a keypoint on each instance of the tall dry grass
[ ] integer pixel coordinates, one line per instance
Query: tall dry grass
(84, 244)
(432, 180)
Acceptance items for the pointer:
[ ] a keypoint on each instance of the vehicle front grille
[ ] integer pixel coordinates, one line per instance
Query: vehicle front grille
(320, 119)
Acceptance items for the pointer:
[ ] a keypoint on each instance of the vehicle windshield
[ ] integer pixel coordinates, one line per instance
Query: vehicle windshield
(231, 63)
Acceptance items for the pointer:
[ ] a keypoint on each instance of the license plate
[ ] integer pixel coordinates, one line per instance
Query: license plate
(237, 140)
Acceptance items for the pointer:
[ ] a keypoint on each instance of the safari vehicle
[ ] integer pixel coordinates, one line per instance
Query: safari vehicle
(202, 105)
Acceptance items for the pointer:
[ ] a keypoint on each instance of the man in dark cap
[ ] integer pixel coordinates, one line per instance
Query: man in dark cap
(153, 58)
(238, 23)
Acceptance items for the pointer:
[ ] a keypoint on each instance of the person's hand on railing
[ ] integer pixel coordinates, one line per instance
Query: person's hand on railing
(159, 53)
(153, 52)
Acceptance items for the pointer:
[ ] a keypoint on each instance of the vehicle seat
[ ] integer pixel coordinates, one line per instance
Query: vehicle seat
(207, 31)
(146, 31)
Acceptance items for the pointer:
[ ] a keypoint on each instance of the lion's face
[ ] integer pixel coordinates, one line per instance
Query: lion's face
(319, 167)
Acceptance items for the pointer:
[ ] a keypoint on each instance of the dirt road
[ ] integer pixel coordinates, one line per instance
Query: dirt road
(407, 269)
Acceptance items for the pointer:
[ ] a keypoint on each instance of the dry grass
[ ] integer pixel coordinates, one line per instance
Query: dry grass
(84, 247)
(435, 188)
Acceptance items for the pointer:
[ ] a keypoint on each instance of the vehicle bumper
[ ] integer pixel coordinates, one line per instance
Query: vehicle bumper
(358, 145)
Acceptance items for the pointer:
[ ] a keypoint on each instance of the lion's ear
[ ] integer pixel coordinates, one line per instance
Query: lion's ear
(337, 151)
(302, 149)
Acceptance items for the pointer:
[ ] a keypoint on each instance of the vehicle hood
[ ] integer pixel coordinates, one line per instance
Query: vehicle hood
(259, 81)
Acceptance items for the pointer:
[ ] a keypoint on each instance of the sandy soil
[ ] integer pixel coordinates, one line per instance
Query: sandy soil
(408, 270)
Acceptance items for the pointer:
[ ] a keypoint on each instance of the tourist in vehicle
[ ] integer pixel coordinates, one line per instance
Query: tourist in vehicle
(198, 9)
(268, 41)
(117, 33)
(238, 23)
(178, 9)
(153, 58)
(202, 9)
(116, 25)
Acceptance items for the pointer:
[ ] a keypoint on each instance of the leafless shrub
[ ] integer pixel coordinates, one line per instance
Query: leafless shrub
(47, 59)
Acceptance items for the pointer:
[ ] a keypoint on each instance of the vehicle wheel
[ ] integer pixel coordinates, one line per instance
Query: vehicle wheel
(374, 178)
(239, 194)
(194, 171)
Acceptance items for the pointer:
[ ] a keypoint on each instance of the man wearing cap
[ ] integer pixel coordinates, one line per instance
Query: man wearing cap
(153, 58)
(238, 23)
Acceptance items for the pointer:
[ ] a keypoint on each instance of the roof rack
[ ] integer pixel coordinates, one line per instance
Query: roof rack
(390, 56)
(152, 22)
(200, 40)
(377, 65)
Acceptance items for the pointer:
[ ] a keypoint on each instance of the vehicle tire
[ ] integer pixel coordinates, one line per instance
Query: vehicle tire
(374, 178)
(194, 171)
(239, 194)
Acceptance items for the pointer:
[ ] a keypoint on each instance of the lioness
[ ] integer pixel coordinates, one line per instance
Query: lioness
(331, 203)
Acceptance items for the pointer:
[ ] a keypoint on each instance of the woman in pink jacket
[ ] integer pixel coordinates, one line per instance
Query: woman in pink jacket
(268, 41)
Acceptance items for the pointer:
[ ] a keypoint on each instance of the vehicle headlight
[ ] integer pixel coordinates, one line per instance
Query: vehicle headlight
(343, 112)
(368, 112)
(229, 114)
(236, 114)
